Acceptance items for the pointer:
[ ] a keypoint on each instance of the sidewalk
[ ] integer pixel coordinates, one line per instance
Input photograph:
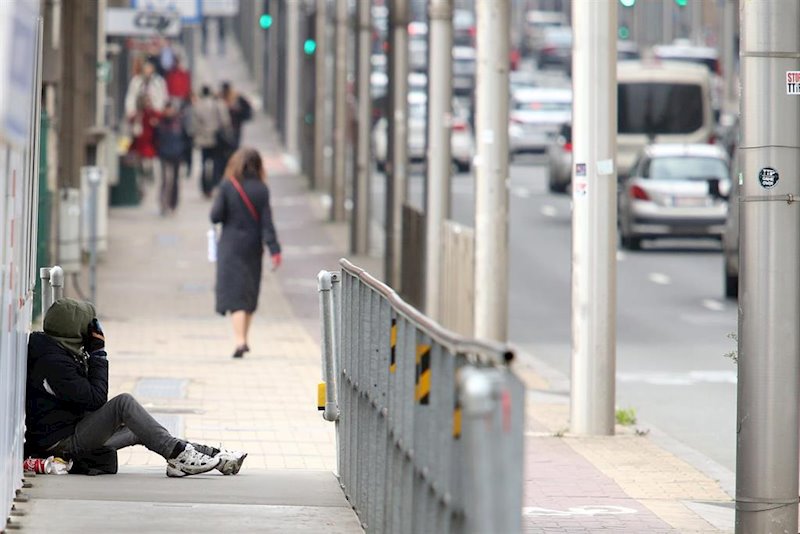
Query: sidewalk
(169, 349)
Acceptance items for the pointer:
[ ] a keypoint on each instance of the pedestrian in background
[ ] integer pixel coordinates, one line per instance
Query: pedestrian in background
(179, 87)
(242, 207)
(240, 111)
(209, 122)
(143, 124)
(145, 81)
(170, 142)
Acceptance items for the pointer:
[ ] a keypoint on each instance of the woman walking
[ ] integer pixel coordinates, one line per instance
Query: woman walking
(242, 207)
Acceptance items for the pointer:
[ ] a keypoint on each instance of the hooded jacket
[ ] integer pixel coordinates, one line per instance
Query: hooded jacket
(63, 383)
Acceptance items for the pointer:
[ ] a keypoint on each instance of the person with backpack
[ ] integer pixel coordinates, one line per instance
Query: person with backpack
(171, 145)
(68, 413)
(240, 111)
(210, 122)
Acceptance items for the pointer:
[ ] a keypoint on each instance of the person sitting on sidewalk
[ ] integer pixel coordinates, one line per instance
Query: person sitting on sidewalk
(68, 413)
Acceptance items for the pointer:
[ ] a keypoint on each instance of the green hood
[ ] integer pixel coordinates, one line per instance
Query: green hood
(67, 321)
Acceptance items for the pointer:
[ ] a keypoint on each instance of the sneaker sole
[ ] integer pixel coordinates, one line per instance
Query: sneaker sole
(232, 468)
(199, 471)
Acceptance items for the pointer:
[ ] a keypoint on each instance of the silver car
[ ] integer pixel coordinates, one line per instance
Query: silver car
(535, 117)
(675, 191)
(559, 161)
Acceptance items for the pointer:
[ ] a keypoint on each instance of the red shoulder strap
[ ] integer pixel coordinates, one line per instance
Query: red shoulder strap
(245, 198)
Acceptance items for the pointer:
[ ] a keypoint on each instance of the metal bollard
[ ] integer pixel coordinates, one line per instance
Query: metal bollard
(57, 282)
(94, 184)
(325, 282)
(47, 294)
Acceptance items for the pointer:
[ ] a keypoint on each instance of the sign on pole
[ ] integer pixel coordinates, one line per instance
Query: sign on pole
(220, 8)
(128, 22)
(190, 11)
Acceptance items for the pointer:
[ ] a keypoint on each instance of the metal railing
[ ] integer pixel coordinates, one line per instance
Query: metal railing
(429, 424)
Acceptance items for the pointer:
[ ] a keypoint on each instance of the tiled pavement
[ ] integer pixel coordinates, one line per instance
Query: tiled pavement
(155, 295)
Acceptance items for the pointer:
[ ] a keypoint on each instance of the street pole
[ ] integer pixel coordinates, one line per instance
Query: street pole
(340, 114)
(769, 289)
(293, 78)
(273, 66)
(359, 239)
(440, 95)
(594, 216)
(491, 171)
(666, 19)
(729, 53)
(321, 94)
(397, 165)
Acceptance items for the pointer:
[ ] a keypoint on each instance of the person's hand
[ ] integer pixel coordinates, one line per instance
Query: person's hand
(95, 339)
(276, 261)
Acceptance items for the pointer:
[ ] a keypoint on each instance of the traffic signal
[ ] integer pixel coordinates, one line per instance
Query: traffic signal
(265, 21)
(682, 3)
(627, 3)
(623, 32)
(309, 46)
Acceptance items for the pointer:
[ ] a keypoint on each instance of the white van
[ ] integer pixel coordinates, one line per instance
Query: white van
(661, 102)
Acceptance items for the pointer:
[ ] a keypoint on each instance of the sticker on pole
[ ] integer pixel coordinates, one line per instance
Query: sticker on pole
(768, 177)
(580, 169)
(793, 82)
(581, 188)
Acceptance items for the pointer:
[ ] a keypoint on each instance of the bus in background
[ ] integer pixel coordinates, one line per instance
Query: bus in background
(661, 102)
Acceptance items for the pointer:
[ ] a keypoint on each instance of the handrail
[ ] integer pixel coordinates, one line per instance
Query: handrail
(450, 340)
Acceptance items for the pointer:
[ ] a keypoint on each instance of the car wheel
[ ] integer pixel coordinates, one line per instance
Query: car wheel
(631, 243)
(556, 187)
(731, 286)
(462, 166)
(381, 165)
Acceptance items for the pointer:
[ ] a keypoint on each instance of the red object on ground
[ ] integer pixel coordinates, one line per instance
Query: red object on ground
(179, 83)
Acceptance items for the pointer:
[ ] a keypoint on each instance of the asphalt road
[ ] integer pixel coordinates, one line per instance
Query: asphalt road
(673, 322)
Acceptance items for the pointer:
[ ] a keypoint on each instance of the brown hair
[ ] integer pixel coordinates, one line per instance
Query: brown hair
(246, 163)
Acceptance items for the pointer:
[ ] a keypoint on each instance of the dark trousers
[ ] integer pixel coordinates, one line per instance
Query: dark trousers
(210, 178)
(121, 422)
(170, 173)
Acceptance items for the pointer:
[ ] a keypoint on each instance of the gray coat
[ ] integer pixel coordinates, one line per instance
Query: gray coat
(241, 245)
(209, 115)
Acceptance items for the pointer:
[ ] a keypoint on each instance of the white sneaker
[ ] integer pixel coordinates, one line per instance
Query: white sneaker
(230, 461)
(191, 462)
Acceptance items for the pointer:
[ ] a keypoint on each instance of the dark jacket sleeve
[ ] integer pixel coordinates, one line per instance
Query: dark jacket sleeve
(90, 392)
(268, 233)
(219, 212)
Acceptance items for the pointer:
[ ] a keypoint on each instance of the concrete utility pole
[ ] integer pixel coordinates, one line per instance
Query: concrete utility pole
(340, 114)
(594, 216)
(293, 79)
(769, 279)
(729, 24)
(668, 32)
(397, 167)
(321, 94)
(273, 65)
(491, 170)
(359, 239)
(440, 96)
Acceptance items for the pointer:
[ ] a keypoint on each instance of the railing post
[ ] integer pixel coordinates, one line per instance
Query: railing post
(476, 396)
(47, 294)
(325, 284)
(57, 283)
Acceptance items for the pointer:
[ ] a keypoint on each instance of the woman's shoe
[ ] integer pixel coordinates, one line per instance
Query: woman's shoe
(239, 352)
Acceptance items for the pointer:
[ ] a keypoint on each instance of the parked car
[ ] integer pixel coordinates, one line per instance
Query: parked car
(418, 47)
(627, 51)
(556, 49)
(535, 24)
(463, 70)
(675, 190)
(462, 144)
(559, 160)
(535, 117)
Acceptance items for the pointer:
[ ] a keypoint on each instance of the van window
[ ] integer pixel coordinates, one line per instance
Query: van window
(659, 108)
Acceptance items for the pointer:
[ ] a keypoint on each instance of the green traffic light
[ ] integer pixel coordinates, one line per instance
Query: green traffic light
(682, 3)
(265, 21)
(623, 32)
(627, 3)
(309, 46)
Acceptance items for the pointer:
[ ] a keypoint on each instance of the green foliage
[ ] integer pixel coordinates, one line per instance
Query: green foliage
(626, 416)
